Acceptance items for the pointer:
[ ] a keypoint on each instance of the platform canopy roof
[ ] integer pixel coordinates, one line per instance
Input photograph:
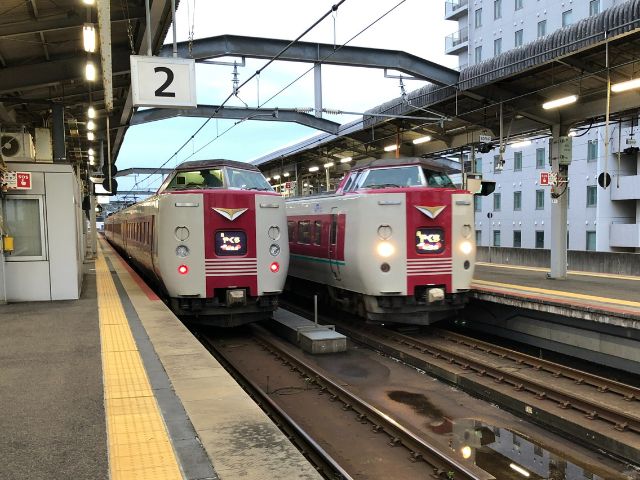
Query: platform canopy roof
(42, 63)
(577, 60)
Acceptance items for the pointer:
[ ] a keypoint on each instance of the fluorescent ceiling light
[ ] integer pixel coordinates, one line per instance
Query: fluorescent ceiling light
(268, 179)
(523, 143)
(89, 38)
(624, 86)
(91, 125)
(92, 159)
(346, 159)
(420, 140)
(91, 112)
(90, 72)
(328, 165)
(560, 102)
(572, 133)
(88, 2)
(286, 174)
(276, 177)
(90, 136)
(390, 148)
(314, 169)
(91, 151)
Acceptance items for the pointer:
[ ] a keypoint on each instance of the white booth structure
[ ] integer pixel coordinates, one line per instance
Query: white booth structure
(45, 222)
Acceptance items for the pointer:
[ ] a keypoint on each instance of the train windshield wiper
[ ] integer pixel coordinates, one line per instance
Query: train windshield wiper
(382, 185)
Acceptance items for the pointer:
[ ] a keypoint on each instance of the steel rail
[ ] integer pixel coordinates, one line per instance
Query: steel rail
(442, 463)
(307, 445)
(592, 409)
(627, 392)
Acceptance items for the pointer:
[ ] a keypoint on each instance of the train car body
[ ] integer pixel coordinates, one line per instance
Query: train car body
(213, 239)
(394, 244)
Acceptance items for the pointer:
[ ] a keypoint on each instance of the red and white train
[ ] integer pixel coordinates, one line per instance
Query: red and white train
(213, 239)
(395, 242)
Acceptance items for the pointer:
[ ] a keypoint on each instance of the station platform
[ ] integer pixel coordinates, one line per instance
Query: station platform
(594, 316)
(599, 297)
(114, 386)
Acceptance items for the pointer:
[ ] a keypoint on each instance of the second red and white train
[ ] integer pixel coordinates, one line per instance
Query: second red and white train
(395, 243)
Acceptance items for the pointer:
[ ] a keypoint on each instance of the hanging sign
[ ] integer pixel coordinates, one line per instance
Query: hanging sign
(163, 81)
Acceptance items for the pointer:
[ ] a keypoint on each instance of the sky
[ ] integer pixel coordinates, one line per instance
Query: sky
(415, 26)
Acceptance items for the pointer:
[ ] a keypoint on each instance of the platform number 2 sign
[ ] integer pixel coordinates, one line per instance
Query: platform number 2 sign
(163, 82)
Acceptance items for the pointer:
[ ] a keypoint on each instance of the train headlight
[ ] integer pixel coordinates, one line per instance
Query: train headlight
(274, 249)
(466, 247)
(466, 452)
(274, 233)
(385, 249)
(181, 233)
(384, 232)
(182, 251)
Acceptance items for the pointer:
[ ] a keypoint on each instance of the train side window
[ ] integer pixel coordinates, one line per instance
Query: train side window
(333, 234)
(317, 232)
(350, 182)
(291, 227)
(304, 232)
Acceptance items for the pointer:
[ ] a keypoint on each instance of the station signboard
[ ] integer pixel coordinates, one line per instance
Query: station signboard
(163, 82)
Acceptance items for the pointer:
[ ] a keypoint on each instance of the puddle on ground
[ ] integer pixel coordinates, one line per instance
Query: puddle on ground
(508, 455)
(501, 452)
(420, 403)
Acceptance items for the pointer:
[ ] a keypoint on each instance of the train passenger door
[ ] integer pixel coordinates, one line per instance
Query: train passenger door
(333, 244)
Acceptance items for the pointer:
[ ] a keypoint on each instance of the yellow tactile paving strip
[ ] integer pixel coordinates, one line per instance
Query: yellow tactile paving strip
(139, 446)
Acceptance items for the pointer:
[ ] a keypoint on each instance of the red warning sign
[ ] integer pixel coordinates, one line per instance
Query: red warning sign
(23, 181)
(544, 179)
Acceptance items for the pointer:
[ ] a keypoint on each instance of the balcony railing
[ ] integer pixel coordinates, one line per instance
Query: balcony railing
(456, 40)
(454, 7)
(624, 235)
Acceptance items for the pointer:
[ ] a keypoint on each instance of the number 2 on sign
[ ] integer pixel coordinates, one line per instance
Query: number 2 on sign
(160, 92)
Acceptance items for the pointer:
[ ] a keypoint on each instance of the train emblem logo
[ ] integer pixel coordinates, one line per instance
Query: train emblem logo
(230, 213)
(431, 212)
(429, 241)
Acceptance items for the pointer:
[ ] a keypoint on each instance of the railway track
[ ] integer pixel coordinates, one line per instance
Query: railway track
(440, 463)
(591, 409)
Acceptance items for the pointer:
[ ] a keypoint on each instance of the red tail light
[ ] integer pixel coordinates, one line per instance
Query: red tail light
(183, 269)
(274, 267)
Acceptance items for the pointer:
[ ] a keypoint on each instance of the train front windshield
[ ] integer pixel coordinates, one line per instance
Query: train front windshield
(209, 178)
(247, 180)
(411, 176)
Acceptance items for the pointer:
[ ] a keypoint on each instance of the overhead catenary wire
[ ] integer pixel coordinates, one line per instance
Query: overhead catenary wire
(257, 73)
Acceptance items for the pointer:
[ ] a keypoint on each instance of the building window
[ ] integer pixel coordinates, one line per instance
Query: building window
(497, 9)
(518, 4)
(478, 17)
(539, 199)
(496, 238)
(517, 161)
(594, 7)
(22, 217)
(477, 203)
(519, 35)
(517, 238)
(517, 200)
(542, 28)
(478, 237)
(592, 150)
(497, 202)
(497, 166)
(591, 241)
(540, 154)
(592, 196)
(567, 18)
(478, 54)
(478, 166)
(497, 47)
(539, 238)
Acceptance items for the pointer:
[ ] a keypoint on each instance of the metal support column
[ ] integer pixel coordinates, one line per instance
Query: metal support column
(59, 149)
(317, 82)
(93, 239)
(559, 207)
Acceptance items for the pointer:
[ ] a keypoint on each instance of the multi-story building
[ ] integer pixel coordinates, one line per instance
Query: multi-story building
(518, 213)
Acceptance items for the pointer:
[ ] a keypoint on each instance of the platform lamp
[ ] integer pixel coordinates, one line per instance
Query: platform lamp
(327, 166)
